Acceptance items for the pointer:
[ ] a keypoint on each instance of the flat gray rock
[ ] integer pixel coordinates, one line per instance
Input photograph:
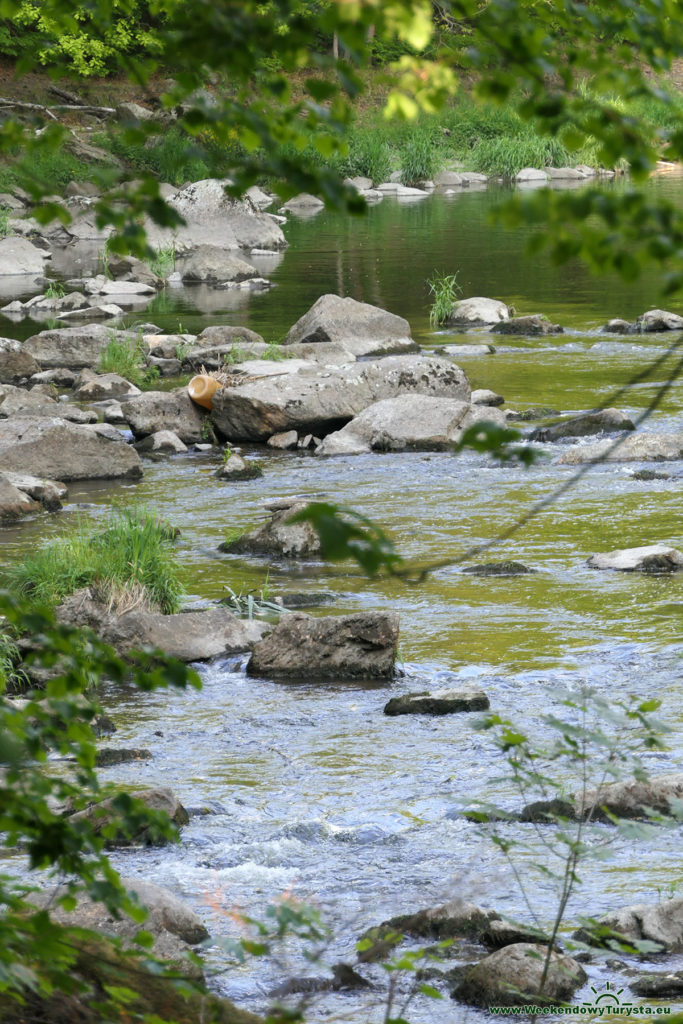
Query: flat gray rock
(598, 421)
(336, 648)
(660, 923)
(478, 311)
(358, 327)
(406, 423)
(188, 636)
(72, 348)
(319, 401)
(651, 558)
(19, 256)
(635, 448)
(52, 447)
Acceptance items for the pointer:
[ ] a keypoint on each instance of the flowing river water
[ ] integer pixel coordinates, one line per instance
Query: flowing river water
(313, 791)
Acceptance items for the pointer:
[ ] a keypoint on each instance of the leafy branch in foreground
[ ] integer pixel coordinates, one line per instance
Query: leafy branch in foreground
(345, 533)
(39, 811)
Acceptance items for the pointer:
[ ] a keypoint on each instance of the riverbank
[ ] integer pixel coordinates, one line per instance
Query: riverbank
(466, 134)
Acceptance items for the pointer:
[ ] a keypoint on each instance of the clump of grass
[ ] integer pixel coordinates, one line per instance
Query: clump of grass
(445, 290)
(55, 290)
(173, 157)
(127, 358)
(369, 156)
(163, 264)
(420, 158)
(129, 563)
(5, 228)
(11, 678)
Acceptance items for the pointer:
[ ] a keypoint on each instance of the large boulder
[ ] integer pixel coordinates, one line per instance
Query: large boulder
(19, 256)
(213, 264)
(656, 320)
(653, 558)
(636, 448)
(71, 347)
(212, 217)
(278, 538)
(597, 422)
(15, 402)
(661, 923)
(409, 422)
(318, 401)
(478, 311)
(457, 919)
(662, 794)
(512, 976)
(174, 926)
(527, 326)
(14, 503)
(361, 646)
(107, 813)
(153, 411)
(16, 363)
(54, 448)
(358, 327)
(98, 387)
(189, 636)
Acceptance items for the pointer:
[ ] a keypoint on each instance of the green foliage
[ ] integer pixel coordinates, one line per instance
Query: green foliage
(345, 533)
(131, 560)
(37, 957)
(444, 288)
(174, 157)
(5, 228)
(126, 357)
(81, 48)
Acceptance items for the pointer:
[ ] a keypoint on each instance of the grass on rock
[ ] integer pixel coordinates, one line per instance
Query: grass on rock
(127, 358)
(130, 563)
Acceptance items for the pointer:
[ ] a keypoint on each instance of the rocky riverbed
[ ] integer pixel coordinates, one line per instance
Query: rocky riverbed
(308, 785)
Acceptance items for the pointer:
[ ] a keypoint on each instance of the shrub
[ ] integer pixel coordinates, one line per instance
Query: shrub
(128, 562)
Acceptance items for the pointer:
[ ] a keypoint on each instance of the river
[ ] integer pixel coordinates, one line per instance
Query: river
(314, 792)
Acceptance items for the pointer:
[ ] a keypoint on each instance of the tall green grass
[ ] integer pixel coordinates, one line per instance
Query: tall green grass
(505, 157)
(126, 357)
(129, 562)
(369, 156)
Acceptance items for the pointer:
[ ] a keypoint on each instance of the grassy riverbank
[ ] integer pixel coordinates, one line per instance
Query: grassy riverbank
(475, 136)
